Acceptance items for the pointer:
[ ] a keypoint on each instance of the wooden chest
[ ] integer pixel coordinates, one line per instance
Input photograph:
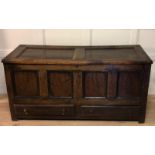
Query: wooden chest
(78, 82)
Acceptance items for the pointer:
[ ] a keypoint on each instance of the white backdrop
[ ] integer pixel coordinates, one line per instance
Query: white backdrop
(9, 39)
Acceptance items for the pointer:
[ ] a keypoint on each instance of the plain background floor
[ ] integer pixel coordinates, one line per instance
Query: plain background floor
(5, 118)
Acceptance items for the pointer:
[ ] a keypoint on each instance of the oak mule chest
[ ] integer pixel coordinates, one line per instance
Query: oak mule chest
(78, 82)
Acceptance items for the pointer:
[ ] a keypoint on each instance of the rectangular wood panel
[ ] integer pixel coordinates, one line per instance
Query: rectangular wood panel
(95, 84)
(56, 53)
(130, 84)
(60, 84)
(26, 83)
(125, 53)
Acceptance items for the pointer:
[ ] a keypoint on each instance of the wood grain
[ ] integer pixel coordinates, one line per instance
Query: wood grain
(60, 84)
(112, 85)
(107, 82)
(95, 84)
(26, 83)
(130, 84)
(129, 54)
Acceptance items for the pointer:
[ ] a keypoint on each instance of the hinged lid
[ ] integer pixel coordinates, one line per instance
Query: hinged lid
(39, 54)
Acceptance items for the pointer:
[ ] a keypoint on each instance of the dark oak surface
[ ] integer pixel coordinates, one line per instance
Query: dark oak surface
(36, 54)
(60, 84)
(78, 82)
(95, 84)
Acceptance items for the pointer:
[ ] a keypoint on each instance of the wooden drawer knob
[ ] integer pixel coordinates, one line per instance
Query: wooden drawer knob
(25, 111)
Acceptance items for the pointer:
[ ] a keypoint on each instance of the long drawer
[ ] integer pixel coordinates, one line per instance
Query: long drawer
(44, 112)
(109, 112)
(84, 112)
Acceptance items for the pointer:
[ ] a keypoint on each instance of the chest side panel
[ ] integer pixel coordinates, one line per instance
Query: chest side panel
(130, 84)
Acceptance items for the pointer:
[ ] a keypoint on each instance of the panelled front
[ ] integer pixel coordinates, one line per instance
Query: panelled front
(95, 87)
(99, 83)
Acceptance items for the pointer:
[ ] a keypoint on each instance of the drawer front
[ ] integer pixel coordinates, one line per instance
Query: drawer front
(43, 112)
(109, 112)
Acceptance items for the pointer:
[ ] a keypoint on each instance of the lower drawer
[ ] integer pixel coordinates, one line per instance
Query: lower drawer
(85, 112)
(109, 112)
(43, 112)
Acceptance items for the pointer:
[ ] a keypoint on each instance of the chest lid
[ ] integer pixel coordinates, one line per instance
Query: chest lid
(41, 54)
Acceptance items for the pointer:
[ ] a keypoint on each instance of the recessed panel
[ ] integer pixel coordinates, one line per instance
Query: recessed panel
(130, 84)
(47, 53)
(60, 84)
(95, 84)
(106, 54)
(26, 83)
